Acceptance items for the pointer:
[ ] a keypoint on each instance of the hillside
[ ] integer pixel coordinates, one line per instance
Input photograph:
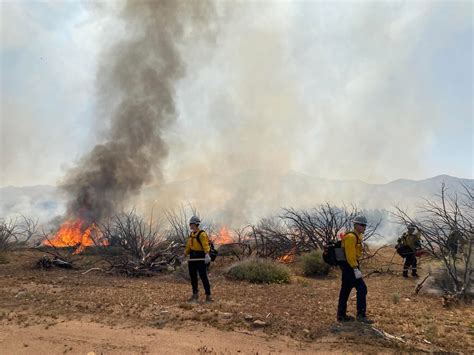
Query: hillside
(244, 197)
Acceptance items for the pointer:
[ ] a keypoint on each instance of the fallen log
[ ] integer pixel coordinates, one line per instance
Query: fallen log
(62, 264)
(46, 263)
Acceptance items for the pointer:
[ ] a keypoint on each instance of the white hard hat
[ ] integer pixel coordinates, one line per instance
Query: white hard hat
(195, 220)
(362, 220)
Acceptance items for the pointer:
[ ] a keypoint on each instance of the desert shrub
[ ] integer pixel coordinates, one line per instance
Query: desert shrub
(314, 265)
(4, 258)
(259, 271)
(395, 298)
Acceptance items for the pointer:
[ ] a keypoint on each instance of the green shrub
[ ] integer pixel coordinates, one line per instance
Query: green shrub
(259, 271)
(395, 298)
(314, 265)
(4, 259)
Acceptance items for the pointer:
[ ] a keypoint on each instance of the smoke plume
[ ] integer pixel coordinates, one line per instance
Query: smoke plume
(136, 89)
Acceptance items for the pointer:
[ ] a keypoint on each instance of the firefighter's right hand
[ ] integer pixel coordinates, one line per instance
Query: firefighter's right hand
(357, 273)
(207, 259)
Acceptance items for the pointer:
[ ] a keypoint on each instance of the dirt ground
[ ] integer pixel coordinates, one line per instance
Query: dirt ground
(63, 311)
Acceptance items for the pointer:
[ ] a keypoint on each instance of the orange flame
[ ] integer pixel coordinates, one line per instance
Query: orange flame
(224, 237)
(289, 257)
(75, 234)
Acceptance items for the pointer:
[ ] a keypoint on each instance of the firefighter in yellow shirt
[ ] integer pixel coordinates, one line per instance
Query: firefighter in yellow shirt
(408, 244)
(197, 247)
(351, 274)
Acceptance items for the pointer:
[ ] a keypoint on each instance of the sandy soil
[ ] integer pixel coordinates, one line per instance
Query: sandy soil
(81, 337)
(62, 311)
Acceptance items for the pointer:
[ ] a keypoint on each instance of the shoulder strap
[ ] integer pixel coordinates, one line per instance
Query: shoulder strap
(198, 239)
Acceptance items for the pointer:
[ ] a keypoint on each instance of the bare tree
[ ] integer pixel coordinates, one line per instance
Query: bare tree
(296, 231)
(9, 234)
(446, 225)
(321, 225)
(16, 232)
(28, 229)
(179, 223)
(271, 238)
(133, 246)
(178, 220)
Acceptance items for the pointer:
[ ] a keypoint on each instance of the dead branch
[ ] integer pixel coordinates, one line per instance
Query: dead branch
(419, 286)
(92, 269)
(386, 335)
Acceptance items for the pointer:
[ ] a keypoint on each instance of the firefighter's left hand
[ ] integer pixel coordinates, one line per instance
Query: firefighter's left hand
(357, 273)
(207, 259)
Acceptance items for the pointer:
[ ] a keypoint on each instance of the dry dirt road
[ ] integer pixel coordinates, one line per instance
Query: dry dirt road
(79, 337)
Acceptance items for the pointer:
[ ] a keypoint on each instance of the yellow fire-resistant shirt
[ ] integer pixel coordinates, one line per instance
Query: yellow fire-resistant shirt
(411, 240)
(193, 243)
(352, 245)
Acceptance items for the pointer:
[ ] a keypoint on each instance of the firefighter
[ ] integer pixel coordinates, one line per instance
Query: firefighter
(197, 247)
(408, 244)
(351, 274)
(454, 242)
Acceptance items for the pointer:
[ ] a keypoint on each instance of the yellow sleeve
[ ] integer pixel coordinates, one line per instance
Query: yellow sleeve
(205, 242)
(188, 247)
(350, 250)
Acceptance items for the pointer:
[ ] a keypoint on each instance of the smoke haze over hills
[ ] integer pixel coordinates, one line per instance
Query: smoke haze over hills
(230, 202)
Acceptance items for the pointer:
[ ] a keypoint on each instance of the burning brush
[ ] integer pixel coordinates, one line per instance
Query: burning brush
(288, 257)
(76, 234)
(224, 237)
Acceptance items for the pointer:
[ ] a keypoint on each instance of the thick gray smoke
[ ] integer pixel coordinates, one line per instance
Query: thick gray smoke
(136, 84)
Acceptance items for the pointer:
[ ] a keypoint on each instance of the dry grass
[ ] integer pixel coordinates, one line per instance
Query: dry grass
(303, 309)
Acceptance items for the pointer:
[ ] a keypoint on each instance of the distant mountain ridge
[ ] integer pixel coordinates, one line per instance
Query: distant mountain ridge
(245, 196)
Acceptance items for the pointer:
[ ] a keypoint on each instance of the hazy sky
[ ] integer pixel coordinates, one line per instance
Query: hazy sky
(359, 90)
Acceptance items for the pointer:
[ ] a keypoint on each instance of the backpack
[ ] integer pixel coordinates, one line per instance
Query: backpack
(212, 250)
(333, 254)
(402, 249)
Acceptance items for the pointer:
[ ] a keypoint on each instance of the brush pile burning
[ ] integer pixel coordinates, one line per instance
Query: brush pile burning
(76, 234)
(126, 244)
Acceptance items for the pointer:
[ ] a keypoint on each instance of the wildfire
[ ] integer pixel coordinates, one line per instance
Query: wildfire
(75, 234)
(224, 237)
(289, 257)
